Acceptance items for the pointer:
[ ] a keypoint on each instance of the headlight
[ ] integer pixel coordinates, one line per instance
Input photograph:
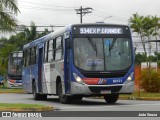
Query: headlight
(78, 79)
(130, 77)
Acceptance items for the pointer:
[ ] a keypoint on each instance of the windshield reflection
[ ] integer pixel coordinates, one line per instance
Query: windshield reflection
(102, 54)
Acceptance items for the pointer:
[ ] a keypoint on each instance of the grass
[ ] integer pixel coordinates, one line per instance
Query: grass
(19, 105)
(6, 89)
(24, 107)
(11, 90)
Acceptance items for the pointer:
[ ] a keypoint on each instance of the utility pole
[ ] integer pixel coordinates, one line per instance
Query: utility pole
(83, 11)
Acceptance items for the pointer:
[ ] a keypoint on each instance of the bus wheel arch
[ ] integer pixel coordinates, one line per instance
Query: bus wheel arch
(34, 91)
(33, 84)
(62, 98)
(58, 81)
(37, 96)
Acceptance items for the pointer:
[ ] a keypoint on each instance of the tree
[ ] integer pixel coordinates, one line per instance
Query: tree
(31, 34)
(156, 25)
(4, 53)
(43, 33)
(140, 58)
(8, 8)
(136, 23)
(3, 41)
(148, 29)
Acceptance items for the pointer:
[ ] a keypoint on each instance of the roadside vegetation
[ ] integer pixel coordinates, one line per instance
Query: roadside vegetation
(8, 13)
(24, 107)
(19, 105)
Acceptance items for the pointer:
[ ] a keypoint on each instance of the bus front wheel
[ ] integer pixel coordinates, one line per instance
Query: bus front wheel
(111, 98)
(63, 98)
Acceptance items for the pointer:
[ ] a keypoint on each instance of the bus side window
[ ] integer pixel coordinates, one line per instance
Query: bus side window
(27, 57)
(58, 49)
(46, 52)
(33, 55)
(50, 51)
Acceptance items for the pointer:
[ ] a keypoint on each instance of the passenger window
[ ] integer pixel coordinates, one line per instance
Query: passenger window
(58, 49)
(58, 54)
(50, 51)
(46, 52)
(28, 57)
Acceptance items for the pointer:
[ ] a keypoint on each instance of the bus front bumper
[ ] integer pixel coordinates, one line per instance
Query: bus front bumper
(15, 85)
(80, 89)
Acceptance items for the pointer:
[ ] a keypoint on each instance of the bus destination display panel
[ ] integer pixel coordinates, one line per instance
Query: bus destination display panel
(101, 30)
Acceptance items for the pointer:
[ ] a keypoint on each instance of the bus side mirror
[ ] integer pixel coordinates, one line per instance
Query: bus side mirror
(68, 43)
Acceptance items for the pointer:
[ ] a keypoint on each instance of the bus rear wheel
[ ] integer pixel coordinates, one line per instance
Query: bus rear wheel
(111, 98)
(37, 96)
(63, 98)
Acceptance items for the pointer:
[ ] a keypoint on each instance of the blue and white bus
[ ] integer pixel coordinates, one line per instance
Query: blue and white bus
(14, 72)
(80, 60)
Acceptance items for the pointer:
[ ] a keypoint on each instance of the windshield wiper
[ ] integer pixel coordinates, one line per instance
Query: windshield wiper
(112, 44)
(92, 44)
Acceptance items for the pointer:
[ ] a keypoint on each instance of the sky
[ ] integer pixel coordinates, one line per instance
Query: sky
(62, 12)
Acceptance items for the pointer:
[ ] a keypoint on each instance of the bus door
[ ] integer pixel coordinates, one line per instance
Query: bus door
(40, 56)
(67, 66)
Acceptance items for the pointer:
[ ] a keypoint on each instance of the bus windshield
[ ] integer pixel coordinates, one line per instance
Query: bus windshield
(15, 66)
(102, 54)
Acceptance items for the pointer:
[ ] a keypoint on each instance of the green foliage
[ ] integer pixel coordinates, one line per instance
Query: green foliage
(145, 27)
(140, 58)
(150, 80)
(4, 53)
(8, 8)
(143, 58)
(19, 105)
(16, 42)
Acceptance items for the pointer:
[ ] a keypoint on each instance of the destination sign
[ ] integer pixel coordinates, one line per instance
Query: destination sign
(100, 30)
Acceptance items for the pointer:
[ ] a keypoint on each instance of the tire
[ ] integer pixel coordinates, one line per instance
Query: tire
(62, 98)
(37, 96)
(111, 99)
(43, 97)
(76, 98)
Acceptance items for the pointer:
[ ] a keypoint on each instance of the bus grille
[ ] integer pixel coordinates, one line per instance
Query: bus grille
(99, 89)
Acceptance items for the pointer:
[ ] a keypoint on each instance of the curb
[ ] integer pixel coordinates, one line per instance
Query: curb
(133, 98)
(139, 98)
(48, 108)
(147, 98)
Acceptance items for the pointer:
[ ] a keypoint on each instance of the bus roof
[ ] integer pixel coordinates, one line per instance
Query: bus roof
(62, 30)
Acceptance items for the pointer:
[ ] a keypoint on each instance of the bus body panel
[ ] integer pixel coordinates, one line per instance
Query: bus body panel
(65, 69)
(51, 72)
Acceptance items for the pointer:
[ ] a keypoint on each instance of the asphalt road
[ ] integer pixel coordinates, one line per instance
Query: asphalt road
(87, 104)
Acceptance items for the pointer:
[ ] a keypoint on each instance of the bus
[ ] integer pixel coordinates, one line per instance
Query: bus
(80, 60)
(14, 72)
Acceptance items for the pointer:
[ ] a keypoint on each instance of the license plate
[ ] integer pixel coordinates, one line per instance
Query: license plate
(106, 92)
